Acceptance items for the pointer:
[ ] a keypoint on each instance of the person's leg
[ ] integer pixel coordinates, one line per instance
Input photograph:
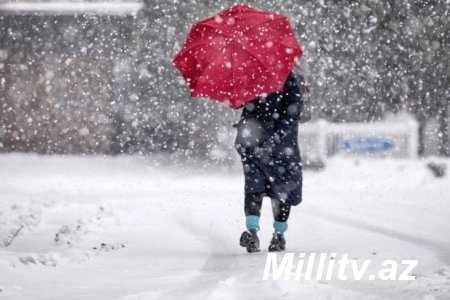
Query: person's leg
(280, 215)
(249, 238)
(281, 212)
(252, 209)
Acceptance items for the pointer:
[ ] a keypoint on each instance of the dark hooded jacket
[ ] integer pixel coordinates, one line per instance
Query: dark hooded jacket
(267, 141)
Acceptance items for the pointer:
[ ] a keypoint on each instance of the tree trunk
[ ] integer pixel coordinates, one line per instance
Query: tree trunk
(444, 147)
(421, 136)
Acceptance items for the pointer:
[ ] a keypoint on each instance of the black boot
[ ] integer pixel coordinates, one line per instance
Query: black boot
(249, 239)
(278, 243)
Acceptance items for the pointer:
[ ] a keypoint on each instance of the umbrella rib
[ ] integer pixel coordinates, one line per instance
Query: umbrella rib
(219, 29)
(251, 54)
(262, 22)
(245, 49)
(205, 43)
(201, 74)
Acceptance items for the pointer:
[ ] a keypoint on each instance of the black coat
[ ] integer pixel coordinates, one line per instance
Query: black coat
(267, 141)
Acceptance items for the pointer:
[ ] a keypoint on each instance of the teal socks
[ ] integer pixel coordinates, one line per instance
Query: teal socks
(252, 222)
(280, 227)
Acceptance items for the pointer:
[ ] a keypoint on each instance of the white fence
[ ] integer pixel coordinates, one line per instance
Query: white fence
(382, 139)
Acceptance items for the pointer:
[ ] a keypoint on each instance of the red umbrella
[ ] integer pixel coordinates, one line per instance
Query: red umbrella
(238, 55)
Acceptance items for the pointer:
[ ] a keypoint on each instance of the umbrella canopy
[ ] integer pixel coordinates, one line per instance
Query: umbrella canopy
(238, 55)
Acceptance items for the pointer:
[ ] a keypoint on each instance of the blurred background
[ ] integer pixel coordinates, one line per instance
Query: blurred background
(124, 164)
(89, 77)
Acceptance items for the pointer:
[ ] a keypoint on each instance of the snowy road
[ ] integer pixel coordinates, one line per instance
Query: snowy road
(118, 228)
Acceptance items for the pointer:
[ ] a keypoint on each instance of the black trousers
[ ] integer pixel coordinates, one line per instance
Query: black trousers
(253, 203)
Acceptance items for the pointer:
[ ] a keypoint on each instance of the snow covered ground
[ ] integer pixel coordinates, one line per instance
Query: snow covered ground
(124, 228)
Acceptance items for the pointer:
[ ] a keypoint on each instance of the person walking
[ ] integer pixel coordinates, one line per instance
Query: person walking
(233, 57)
(267, 142)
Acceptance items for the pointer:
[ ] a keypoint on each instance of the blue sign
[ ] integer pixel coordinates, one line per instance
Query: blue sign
(367, 145)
